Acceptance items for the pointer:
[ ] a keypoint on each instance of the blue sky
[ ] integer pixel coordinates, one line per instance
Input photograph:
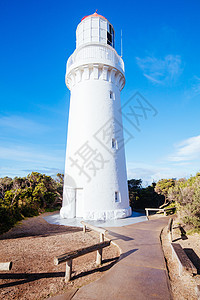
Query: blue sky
(161, 49)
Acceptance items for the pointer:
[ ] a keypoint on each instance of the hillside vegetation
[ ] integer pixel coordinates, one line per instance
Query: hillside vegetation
(185, 194)
(27, 196)
(142, 197)
(182, 193)
(35, 193)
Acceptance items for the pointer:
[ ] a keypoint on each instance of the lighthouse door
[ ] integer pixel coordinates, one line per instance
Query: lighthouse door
(79, 203)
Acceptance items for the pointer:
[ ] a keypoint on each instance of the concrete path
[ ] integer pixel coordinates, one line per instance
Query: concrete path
(140, 273)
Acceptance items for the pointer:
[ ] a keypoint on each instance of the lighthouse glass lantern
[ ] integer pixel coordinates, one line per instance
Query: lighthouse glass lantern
(95, 183)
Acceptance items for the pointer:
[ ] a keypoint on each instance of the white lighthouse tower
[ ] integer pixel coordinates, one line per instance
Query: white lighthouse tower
(95, 184)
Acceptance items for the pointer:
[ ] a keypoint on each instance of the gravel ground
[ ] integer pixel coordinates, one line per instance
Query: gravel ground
(32, 245)
(183, 287)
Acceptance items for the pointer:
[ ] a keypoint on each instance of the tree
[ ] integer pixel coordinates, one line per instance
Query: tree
(162, 187)
(141, 198)
(60, 178)
(5, 185)
(186, 194)
(27, 196)
(134, 184)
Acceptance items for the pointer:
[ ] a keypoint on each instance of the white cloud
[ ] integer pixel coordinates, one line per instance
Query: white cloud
(154, 172)
(187, 150)
(21, 160)
(22, 124)
(161, 71)
(45, 170)
(18, 156)
(196, 85)
(153, 79)
(17, 171)
(147, 172)
(25, 154)
(193, 89)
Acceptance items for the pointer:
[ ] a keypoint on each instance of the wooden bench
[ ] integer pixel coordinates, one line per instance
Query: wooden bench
(5, 266)
(68, 257)
(183, 259)
(198, 292)
(169, 229)
(100, 230)
(162, 210)
(102, 233)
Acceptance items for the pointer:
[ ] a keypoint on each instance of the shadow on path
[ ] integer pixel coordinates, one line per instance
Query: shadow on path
(27, 229)
(98, 269)
(120, 236)
(194, 258)
(27, 277)
(125, 254)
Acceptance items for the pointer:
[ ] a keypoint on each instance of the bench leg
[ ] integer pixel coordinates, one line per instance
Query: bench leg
(173, 253)
(101, 238)
(198, 291)
(180, 269)
(68, 272)
(100, 251)
(99, 257)
(7, 266)
(170, 236)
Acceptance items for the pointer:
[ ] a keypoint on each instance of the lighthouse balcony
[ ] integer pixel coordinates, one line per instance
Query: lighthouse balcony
(95, 53)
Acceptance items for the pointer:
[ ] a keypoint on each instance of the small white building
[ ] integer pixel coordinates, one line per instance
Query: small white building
(95, 184)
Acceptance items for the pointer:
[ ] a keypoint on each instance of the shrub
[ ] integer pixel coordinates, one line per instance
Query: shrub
(186, 194)
(27, 196)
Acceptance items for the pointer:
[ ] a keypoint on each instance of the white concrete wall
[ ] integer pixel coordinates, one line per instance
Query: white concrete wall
(92, 113)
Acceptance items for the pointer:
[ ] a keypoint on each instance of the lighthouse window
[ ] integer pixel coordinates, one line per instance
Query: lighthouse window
(109, 39)
(114, 144)
(112, 95)
(110, 36)
(117, 197)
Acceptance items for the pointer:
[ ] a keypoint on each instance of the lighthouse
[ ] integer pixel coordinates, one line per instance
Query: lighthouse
(95, 182)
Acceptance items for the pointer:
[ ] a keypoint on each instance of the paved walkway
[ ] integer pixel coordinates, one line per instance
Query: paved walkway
(140, 274)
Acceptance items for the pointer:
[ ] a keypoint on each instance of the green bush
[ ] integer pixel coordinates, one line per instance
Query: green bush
(141, 198)
(27, 196)
(186, 194)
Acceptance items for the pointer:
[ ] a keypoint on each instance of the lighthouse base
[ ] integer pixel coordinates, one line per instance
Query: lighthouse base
(108, 215)
(66, 213)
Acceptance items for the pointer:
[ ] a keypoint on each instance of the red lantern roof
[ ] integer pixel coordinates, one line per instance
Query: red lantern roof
(93, 15)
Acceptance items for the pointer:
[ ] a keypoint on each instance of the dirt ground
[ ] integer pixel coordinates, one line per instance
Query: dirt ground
(183, 287)
(32, 246)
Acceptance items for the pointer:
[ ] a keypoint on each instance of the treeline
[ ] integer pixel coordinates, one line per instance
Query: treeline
(28, 196)
(142, 197)
(35, 193)
(184, 194)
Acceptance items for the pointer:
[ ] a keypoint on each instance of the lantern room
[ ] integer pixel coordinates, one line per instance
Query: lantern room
(95, 29)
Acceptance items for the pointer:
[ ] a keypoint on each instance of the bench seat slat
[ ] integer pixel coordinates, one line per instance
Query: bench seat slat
(156, 209)
(92, 227)
(198, 291)
(183, 258)
(76, 253)
(166, 209)
(169, 227)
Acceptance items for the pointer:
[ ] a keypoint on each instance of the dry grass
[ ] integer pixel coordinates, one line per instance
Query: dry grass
(32, 246)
